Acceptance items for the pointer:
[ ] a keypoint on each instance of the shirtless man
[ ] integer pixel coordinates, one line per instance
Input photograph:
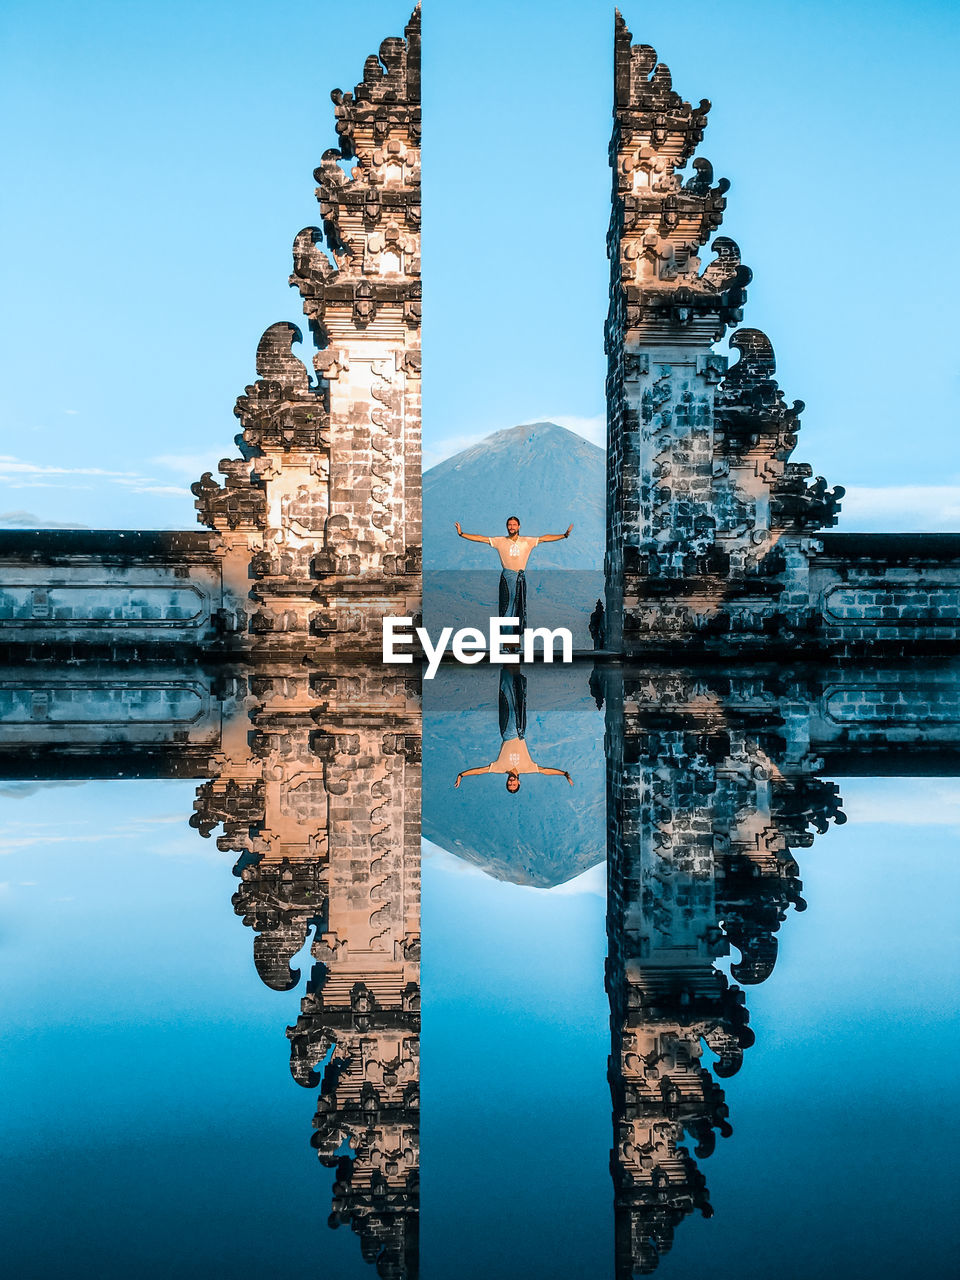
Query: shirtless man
(514, 757)
(514, 552)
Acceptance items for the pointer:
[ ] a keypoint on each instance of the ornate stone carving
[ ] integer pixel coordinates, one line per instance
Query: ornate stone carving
(318, 789)
(706, 514)
(321, 518)
(711, 787)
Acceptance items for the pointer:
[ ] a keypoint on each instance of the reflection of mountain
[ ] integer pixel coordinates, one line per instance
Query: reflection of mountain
(549, 832)
(544, 474)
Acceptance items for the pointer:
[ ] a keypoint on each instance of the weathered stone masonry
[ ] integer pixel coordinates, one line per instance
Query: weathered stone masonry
(317, 525)
(323, 509)
(713, 533)
(95, 593)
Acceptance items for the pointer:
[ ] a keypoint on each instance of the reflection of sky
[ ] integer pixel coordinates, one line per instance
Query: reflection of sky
(843, 1155)
(516, 1110)
(841, 1160)
(156, 1131)
(150, 1123)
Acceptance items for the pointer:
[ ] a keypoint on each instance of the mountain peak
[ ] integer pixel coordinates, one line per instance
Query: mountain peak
(541, 472)
(544, 435)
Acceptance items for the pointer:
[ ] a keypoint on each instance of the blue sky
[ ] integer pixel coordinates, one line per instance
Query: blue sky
(159, 164)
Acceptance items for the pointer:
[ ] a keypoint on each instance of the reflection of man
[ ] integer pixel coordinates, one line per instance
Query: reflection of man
(596, 625)
(514, 552)
(514, 758)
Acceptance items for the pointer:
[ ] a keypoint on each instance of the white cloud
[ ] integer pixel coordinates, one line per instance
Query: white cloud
(912, 802)
(16, 473)
(162, 820)
(907, 508)
(11, 466)
(161, 836)
(144, 487)
(29, 520)
(21, 790)
(191, 465)
(11, 843)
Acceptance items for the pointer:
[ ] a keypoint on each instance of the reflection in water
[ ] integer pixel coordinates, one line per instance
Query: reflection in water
(704, 811)
(712, 782)
(557, 832)
(313, 778)
(514, 757)
(318, 790)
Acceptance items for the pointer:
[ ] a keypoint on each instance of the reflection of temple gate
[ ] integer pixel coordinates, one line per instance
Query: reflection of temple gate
(323, 807)
(713, 780)
(314, 777)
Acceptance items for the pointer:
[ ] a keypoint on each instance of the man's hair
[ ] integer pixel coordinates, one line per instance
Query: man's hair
(509, 518)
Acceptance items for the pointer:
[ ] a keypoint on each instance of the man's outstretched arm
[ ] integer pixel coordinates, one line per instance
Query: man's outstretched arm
(469, 773)
(552, 537)
(471, 537)
(560, 773)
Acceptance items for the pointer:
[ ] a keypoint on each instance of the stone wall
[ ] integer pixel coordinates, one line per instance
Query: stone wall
(101, 719)
(884, 590)
(101, 591)
(702, 817)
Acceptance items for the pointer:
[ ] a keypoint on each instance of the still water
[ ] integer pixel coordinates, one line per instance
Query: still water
(152, 1124)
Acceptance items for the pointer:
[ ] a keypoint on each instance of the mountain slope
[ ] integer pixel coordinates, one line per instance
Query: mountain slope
(542, 473)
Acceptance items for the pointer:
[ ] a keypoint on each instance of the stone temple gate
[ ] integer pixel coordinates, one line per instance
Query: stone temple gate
(716, 540)
(714, 535)
(247, 655)
(315, 529)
